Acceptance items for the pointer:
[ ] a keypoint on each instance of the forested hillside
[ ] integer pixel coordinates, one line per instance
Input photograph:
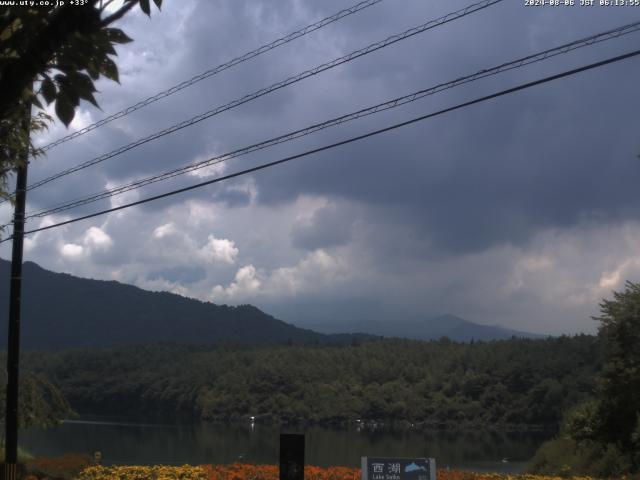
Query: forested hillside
(62, 311)
(514, 383)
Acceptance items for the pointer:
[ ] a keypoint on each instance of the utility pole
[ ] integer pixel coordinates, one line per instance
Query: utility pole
(15, 290)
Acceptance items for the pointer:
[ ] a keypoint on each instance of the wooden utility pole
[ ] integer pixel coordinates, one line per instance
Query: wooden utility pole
(15, 290)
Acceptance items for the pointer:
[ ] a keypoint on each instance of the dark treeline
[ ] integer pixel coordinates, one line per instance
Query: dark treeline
(511, 383)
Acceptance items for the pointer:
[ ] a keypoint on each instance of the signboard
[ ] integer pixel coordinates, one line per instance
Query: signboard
(291, 457)
(385, 468)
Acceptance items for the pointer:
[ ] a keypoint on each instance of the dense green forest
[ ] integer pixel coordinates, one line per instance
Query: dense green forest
(511, 383)
(601, 437)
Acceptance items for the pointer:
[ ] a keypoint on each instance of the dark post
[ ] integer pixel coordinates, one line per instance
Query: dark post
(291, 456)
(13, 350)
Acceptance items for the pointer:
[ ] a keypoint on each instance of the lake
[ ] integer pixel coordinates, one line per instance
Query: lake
(126, 442)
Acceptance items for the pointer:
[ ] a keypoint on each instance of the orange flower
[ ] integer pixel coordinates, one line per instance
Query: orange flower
(235, 471)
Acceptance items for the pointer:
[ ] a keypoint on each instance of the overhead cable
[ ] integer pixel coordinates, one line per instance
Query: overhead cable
(343, 142)
(215, 70)
(276, 86)
(396, 102)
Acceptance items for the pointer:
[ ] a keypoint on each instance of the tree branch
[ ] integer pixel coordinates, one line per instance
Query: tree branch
(39, 51)
(118, 14)
(103, 6)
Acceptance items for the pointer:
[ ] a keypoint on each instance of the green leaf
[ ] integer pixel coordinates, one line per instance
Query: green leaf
(82, 86)
(73, 96)
(158, 3)
(103, 44)
(81, 82)
(78, 54)
(48, 90)
(109, 69)
(68, 89)
(93, 70)
(144, 5)
(10, 29)
(88, 96)
(115, 35)
(5, 34)
(64, 109)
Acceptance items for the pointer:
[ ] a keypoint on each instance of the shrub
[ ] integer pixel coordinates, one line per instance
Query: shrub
(67, 466)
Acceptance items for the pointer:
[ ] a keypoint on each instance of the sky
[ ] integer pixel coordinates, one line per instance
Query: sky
(521, 211)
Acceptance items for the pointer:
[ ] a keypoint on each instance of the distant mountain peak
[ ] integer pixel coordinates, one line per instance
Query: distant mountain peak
(389, 323)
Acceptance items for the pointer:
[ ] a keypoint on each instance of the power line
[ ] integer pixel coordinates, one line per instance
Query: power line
(276, 86)
(344, 142)
(396, 102)
(214, 71)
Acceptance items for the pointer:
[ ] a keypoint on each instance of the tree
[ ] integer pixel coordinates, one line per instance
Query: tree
(41, 403)
(602, 436)
(619, 406)
(53, 54)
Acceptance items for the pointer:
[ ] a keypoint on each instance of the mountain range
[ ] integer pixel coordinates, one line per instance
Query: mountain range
(376, 318)
(62, 311)
(429, 328)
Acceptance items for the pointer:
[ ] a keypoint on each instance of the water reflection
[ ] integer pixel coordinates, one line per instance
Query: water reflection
(146, 443)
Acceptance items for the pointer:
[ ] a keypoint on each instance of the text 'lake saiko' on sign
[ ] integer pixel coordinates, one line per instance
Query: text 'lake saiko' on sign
(383, 468)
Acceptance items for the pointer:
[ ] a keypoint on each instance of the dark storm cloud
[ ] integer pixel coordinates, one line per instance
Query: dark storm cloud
(231, 198)
(327, 227)
(482, 192)
(497, 173)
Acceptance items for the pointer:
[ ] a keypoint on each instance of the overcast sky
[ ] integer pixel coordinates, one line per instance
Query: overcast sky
(522, 211)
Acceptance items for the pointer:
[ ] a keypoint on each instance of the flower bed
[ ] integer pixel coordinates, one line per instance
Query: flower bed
(144, 473)
(239, 471)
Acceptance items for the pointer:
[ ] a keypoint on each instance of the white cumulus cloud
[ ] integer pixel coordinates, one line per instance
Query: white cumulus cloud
(317, 270)
(164, 230)
(72, 250)
(96, 238)
(246, 283)
(219, 250)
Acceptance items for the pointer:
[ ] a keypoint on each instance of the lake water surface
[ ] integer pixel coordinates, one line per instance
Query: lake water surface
(124, 442)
